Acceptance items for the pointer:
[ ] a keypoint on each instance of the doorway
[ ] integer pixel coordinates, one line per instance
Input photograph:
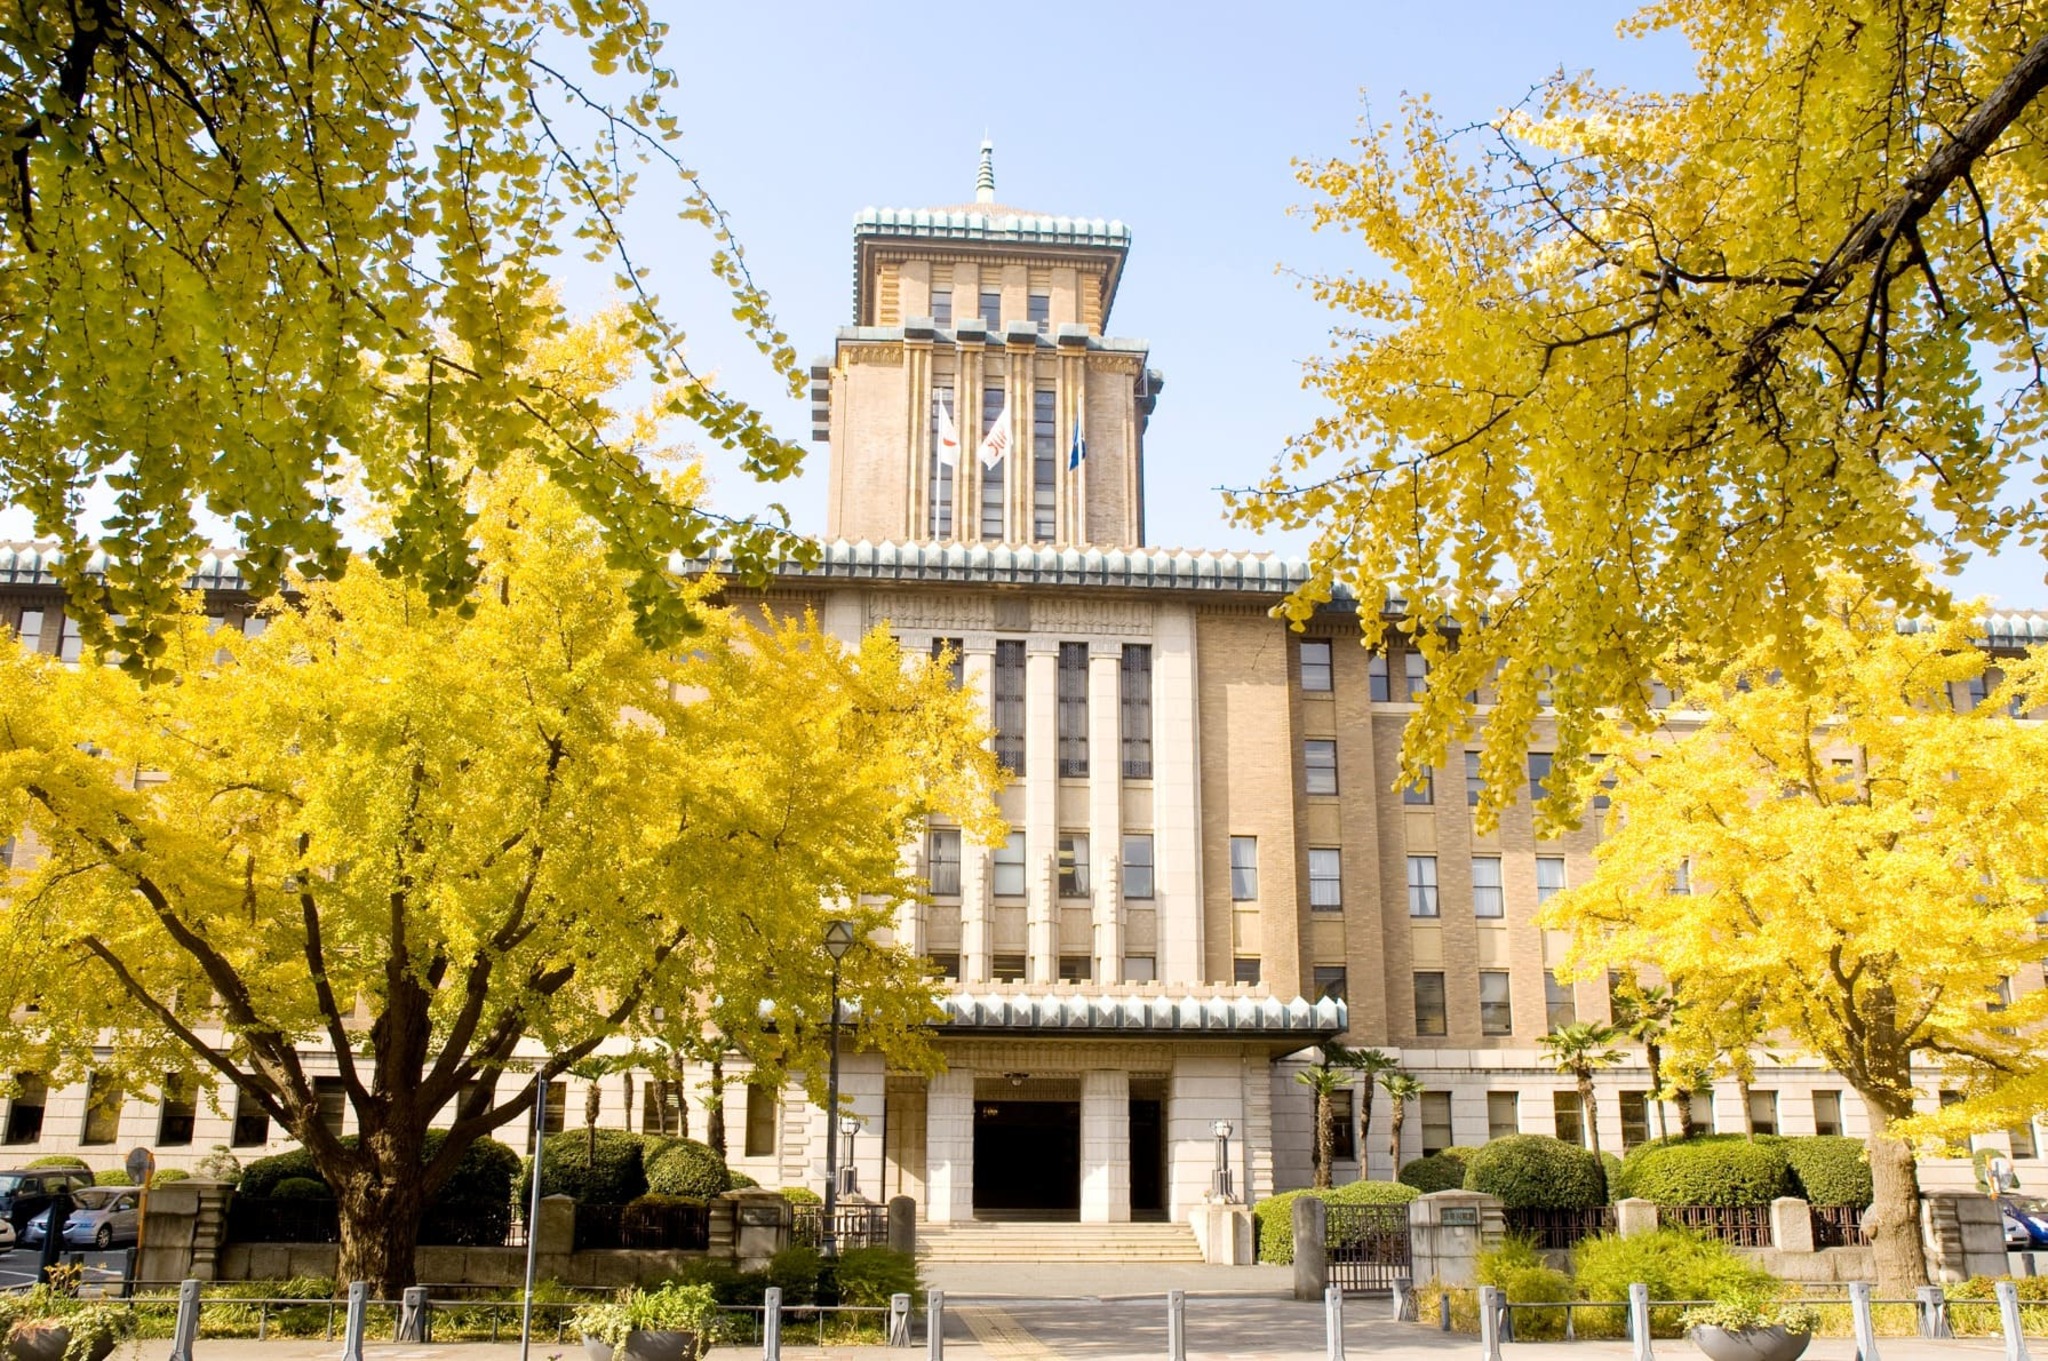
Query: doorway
(1148, 1159)
(1027, 1159)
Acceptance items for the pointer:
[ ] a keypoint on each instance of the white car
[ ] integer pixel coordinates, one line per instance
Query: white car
(6, 1236)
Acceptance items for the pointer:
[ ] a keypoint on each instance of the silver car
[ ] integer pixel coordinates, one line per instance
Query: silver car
(103, 1217)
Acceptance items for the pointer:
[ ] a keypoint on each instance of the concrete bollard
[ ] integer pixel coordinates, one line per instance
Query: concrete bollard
(1404, 1299)
(899, 1320)
(1934, 1313)
(1310, 1218)
(1443, 1311)
(935, 1325)
(415, 1324)
(1176, 1325)
(903, 1225)
(2009, 1321)
(352, 1332)
(771, 1324)
(1639, 1320)
(1333, 1323)
(1860, 1322)
(1489, 1323)
(186, 1331)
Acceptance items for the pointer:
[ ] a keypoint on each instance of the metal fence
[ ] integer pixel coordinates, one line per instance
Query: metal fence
(1739, 1226)
(1366, 1246)
(1560, 1230)
(1838, 1226)
(854, 1226)
(647, 1224)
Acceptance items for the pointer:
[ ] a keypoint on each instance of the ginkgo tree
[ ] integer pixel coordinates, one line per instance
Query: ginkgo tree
(442, 855)
(1626, 371)
(255, 254)
(1854, 865)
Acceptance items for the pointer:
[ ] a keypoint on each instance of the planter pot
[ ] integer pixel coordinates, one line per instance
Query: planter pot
(32, 1343)
(1750, 1344)
(652, 1346)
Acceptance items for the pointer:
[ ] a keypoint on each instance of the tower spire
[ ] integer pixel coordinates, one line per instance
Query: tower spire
(985, 178)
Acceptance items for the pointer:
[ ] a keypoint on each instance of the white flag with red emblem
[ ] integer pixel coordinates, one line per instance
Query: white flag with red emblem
(949, 439)
(996, 442)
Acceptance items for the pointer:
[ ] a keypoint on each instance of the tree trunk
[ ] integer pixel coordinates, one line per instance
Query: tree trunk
(1682, 1098)
(1655, 1054)
(1400, 1112)
(1893, 1221)
(1326, 1143)
(714, 1118)
(1586, 1109)
(380, 1229)
(593, 1105)
(1742, 1095)
(1365, 1130)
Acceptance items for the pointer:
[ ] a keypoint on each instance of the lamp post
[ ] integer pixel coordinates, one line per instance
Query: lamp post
(849, 1177)
(1221, 1184)
(838, 940)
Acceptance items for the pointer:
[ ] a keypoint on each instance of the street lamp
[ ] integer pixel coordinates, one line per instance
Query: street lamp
(849, 1176)
(838, 940)
(1219, 1184)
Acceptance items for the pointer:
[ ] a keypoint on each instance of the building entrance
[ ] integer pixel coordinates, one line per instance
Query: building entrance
(1148, 1159)
(1027, 1159)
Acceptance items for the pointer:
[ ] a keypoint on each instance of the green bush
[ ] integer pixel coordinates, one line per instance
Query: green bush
(688, 1168)
(164, 1176)
(1610, 1167)
(1518, 1269)
(62, 1160)
(301, 1188)
(1675, 1264)
(1829, 1169)
(1537, 1172)
(616, 1177)
(260, 1178)
(869, 1276)
(1714, 1171)
(795, 1270)
(1275, 1214)
(732, 1287)
(1443, 1171)
(474, 1206)
(113, 1176)
(741, 1181)
(801, 1195)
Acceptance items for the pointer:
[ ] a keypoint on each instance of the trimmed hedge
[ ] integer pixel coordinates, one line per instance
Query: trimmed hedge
(1829, 1169)
(473, 1206)
(1443, 1171)
(1537, 1172)
(301, 1188)
(616, 1177)
(1275, 1214)
(688, 1168)
(163, 1176)
(1723, 1170)
(62, 1160)
(261, 1177)
(113, 1176)
(801, 1195)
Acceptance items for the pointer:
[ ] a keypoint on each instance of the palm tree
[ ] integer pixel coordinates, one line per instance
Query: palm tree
(1646, 1014)
(1401, 1088)
(1579, 1049)
(1371, 1063)
(1325, 1082)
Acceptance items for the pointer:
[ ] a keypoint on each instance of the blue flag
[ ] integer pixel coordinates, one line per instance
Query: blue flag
(1080, 449)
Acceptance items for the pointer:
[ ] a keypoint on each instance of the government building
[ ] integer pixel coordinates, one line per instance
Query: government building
(1210, 869)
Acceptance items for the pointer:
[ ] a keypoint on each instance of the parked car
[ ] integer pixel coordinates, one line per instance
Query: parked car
(105, 1217)
(26, 1192)
(2026, 1222)
(6, 1236)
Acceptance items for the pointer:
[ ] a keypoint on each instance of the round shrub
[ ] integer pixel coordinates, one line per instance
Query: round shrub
(301, 1188)
(1275, 1214)
(615, 1177)
(742, 1182)
(1443, 1171)
(62, 1160)
(869, 1276)
(473, 1208)
(801, 1195)
(113, 1176)
(688, 1168)
(1525, 1278)
(1610, 1167)
(1730, 1171)
(1829, 1169)
(164, 1176)
(1537, 1172)
(1676, 1265)
(260, 1178)
(796, 1270)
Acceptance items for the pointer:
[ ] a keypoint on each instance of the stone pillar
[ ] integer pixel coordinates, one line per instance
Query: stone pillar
(1964, 1234)
(976, 872)
(949, 1149)
(1176, 798)
(1105, 1146)
(185, 1227)
(902, 1225)
(763, 1225)
(1311, 1253)
(1448, 1230)
(1105, 807)
(554, 1233)
(1041, 807)
(1791, 1224)
(1632, 1216)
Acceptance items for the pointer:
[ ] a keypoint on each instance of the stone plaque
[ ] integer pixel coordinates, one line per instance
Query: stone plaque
(1461, 1216)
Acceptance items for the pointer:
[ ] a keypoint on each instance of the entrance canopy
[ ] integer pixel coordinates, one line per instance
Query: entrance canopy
(1218, 1015)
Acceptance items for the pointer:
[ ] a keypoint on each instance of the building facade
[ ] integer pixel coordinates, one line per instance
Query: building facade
(1210, 868)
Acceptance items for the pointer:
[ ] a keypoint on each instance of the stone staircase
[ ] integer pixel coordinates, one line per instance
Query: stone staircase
(1044, 1242)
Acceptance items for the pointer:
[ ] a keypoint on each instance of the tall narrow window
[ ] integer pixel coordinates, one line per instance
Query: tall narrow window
(1635, 1119)
(1763, 1112)
(1319, 765)
(252, 1122)
(762, 1109)
(1503, 1115)
(944, 474)
(1475, 783)
(1827, 1112)
(1008, 704)
(1436, 1123)
(944, 843)
(1138, 865)
(1496, 1006)
(1244, 869)
(1038, 309)
(1423, 792)
(1560, 1008)
(1549, 877)
(2021, 1137)
(1422, 886)
(1136, 718)
(1539, 776)
(1073, 709)
(1329, 981)
(175, 1117)
(1431, 1018)
(992, 478)
(102, 1110)
(992, 307)
(1315, 665)
(25, 1109)
(1415, 675)
(1326, 879)
(30, 630)
(950, 651)
(1343, 1147)
(661, 1106)
(1074, 865)
(1008, 863)
(1045, 466)
(1487, 900)
(70, 644)
(942, 307)
(1569, 1115)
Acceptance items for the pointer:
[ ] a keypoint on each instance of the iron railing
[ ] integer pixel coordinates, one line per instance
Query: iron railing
(1838, 1226)
(854, 1226)
(1560, 1230)
(1739, 1226)
(659, 1225)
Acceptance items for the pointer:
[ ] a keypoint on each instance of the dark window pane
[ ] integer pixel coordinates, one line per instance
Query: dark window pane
(1136, 717)
(1072, 712)
(1431, 1017)
(1008, 704)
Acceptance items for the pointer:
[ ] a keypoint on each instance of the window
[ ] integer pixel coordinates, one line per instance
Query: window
(1569, 1115)
(1007, 968)
(1436, 1122)
(942, 306)
(946, 966)
(174, 1117)
(1315, 665)
(1326, 879)
(661, 1106)
(1539, 776)
(1487, 898)
(1008, 704)
(992, 307)
(953, 655)
(1549, 877)
(1681, 878)
(1244, 869)
(1076, 968)
(1341, 1126)
(1141, 969)
(1503, 1115)
(1763, 1112)
(70, 646)
(30, 630)
(1414, 676)
(1475, 783)
(944, 473)
(1073, 864)
(1244, 971)
(25, 1109)
(1699, 1110)
(1827, 1112)
(252, 1123)
(1603, 791)
(1376, 678)
(1560, 1008)
(1319, 759)
(2022, 1139)
(1135, 679)
(1496, 1008)
(1045, 465)
(762, 1108)
(554, 1113)
(1423, 791)
(255, 626)
(1635, 1119)
(1138, 865)
(7, 854)
(102, 1110)
(1431, 1017)
(944, 850)
(1009, 867)
(1330, 981)
(1422, 886)
(1038, 309)
(992, 403)
(1072, 714)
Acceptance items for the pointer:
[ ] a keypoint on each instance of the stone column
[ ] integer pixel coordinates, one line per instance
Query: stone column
(949, 1148)
(1105, 807)
(976, 876)
(1041, 806)
(1105, 1146)
(1176, 798)
(1449, 1229)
